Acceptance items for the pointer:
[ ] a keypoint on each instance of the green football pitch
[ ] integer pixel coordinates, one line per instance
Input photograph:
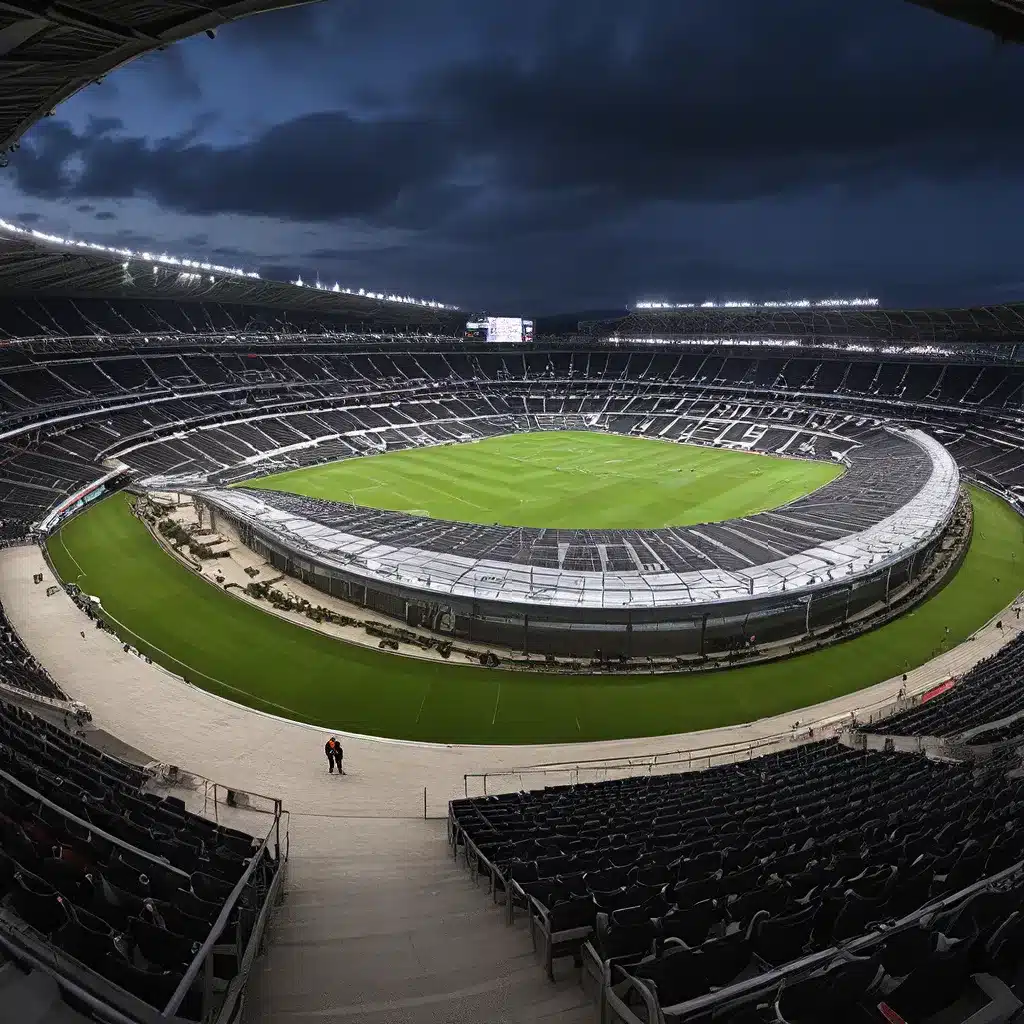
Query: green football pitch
(567, 479)
(241, 652)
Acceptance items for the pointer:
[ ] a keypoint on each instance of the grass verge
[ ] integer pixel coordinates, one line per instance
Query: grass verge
(250, 656)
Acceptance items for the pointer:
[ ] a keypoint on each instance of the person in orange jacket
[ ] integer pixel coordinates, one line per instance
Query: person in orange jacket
(332, 748)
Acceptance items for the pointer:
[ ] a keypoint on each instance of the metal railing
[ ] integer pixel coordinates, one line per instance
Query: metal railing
(769, 981)
(118, 1006)
(693, 758)
(203, 960)
(213, 793)
(12, 693)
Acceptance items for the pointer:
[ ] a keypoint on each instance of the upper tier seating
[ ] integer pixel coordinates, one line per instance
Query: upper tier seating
(57, 319)
(256, 403)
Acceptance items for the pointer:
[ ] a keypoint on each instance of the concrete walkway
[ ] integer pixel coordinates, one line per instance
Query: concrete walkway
(155, 711)
(382, 927)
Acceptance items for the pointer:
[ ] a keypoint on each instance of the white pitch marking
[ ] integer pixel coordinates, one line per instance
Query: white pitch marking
(424, 701)
(81, 571)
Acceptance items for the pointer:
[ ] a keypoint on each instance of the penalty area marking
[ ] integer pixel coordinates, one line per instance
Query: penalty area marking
(494, 717)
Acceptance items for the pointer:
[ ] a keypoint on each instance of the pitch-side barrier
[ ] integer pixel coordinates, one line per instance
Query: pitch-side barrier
(572, 773)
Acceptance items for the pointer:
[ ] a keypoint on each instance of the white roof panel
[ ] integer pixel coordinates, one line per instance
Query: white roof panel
(442, 574)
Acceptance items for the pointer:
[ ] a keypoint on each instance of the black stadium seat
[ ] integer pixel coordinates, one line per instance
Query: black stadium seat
(133, 915)
(772, 861)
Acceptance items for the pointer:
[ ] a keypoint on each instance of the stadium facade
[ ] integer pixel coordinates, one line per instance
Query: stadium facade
(624, 594)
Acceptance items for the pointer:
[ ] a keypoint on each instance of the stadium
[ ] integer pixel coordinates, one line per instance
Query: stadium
(676, 659)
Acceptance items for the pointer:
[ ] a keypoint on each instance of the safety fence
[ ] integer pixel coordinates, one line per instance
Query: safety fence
(698, 758)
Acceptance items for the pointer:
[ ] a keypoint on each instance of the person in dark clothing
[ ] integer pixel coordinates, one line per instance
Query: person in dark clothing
(332, 748)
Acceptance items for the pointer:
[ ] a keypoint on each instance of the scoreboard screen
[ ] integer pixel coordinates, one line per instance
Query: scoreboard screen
(500, 329)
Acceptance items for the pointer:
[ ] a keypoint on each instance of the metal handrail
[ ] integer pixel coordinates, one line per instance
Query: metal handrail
(10, 692)
(222, 919)
(109, 1013)
(245, 965)
(161, 775)
(205, 950)
(203, 954)
(604, 762)
(854, 945)
(683, 755)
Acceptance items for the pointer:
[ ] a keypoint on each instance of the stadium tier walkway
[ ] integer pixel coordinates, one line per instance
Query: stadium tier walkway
(380, 926)
(177, 723)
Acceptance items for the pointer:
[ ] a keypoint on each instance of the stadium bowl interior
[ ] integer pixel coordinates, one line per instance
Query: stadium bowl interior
(172, 850)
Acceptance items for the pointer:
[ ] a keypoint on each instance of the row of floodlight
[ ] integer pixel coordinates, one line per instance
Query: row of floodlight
(787, 304)
(364, 294)
(129, 254)
(203, 266)
(883, 348)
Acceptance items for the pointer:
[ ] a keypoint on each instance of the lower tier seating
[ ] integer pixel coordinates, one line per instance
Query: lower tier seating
(120, 886)
(697, 882)
(992, 690)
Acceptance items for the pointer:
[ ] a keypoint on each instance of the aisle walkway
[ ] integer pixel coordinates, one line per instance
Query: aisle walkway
(381, 927)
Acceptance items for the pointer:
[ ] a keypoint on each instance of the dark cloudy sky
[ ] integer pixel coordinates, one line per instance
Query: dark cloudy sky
(534, 156)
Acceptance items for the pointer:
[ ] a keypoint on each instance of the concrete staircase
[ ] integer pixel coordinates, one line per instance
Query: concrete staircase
(381, 926)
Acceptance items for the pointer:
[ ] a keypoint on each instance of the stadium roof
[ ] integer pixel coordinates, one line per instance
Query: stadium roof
(978, 324)
(36, 267)
(818, 567)
(49, 51)
(1004, 18)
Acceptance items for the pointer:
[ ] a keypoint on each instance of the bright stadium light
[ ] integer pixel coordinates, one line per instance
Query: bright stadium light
(177, 261)
(73, 243)
(362, 293)
(775, 304)
(883, 348)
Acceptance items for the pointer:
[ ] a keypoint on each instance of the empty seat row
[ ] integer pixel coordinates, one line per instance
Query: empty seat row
(126, 883)
(990, 691)
(709, 877)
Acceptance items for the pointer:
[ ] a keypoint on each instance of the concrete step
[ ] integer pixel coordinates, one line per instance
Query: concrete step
(381, 926)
